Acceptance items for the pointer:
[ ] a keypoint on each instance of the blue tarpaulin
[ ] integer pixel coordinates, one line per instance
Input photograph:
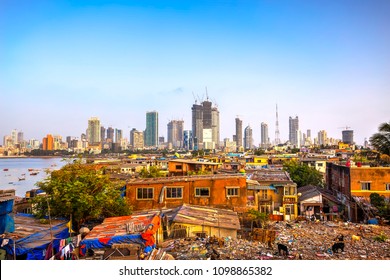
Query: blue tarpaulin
(33, 246)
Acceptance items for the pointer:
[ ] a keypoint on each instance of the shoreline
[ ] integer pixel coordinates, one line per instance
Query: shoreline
(9, 157)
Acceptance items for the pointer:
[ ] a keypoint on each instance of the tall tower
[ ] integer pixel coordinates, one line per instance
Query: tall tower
(238, 133)
(277, 134)
(151, 131)
(94, 131)
(175, 133)
(264, 135)
(347, 136)
(248, 142)
(293, 130)
(205, 125)
(110, 135)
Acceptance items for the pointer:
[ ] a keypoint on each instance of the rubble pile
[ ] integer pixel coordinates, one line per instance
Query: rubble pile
(304, 240)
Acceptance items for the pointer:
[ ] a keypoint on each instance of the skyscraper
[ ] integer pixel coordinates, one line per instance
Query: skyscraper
(277, 133)
(322, 137)
(94, 131)
(347, 136)
(48, 143)
(264, 135)
(187, 140)
(175, 133)
(205, 125)
(248, 138)
(238, 133)
(136, 139)
(118, 135)
(151, 131)
(110, 135)
(293, 131)
(103, 133)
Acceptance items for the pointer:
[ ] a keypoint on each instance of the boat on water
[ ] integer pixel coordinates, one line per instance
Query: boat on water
(5, 169)
(21, 178)
(34, 173)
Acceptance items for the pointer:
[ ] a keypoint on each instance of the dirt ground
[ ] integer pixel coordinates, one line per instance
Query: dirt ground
(304, 240)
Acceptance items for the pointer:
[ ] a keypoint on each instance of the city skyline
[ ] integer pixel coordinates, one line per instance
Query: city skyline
(63, 62)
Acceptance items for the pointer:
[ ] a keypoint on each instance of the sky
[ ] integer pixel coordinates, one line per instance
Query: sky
(63, 62)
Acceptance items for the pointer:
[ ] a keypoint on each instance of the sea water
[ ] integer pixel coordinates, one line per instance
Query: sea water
(18, 173)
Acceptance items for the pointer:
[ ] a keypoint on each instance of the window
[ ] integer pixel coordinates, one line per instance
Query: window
(387, 185)
(320, 164)
(264, 194)
(179, 167)
(232, 191)
(202, 192)
(365, 186)
(175, 192)
(145, 193)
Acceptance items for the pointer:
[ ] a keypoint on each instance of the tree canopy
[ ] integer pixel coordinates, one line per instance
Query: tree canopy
(302, 174)
(80, 191)
(381, 139)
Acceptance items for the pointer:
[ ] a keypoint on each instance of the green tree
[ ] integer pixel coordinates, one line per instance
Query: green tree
(259, 218)
(81, 192)
(379, 201)
(302, 174)
(381, 139)
(152, 172)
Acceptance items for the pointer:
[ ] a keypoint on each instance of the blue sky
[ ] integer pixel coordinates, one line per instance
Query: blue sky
(62, 62)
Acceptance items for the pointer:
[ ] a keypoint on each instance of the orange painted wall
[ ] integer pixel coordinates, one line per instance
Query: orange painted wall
(217, 196)
(378, 176)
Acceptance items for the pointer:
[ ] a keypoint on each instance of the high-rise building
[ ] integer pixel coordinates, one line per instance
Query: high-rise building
(14, 136)
(264, 135)
(94, 131)
(294, 131)
(277, 133)
(48, 143)
(248, 140)
(136, 139)
(118, 135)
(238, 135)
(175, 133)
(205, 125)
(347, 136)
(187, 140)
(102, 134)
(215, 126)
(20, 137)
(322, 137)
(151, 131)
(110, 135)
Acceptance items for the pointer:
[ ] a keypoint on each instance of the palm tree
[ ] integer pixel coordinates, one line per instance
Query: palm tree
(381, 139)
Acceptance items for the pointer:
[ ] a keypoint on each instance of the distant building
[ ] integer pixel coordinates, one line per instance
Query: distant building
(151, 131)
(347, 136)
(136, 139)
(103, 134)
(118, 135)
(322, 138)
(205, 126)
(187, 140)
(264, 135)
(110, 135)
(238, 136)
(94, 131)
(175, 133)
(248, 140)
(48, 143)
(294, 131)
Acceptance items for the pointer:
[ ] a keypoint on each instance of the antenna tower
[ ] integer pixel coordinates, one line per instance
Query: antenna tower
(277, 134)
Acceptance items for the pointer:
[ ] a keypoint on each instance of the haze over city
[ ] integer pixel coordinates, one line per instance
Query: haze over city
(62, 62)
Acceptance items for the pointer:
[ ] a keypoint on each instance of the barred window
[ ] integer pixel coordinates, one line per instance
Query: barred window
(232, 191)
(145, 193)
(174, 192)
(365, 186)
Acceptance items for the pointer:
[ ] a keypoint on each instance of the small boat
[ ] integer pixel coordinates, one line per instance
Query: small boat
(22, 178)
(5, 169)
(34, 173)
(31, 169)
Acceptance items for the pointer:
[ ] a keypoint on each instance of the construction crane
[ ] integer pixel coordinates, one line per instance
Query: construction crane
(196, 100)
(346, 127)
